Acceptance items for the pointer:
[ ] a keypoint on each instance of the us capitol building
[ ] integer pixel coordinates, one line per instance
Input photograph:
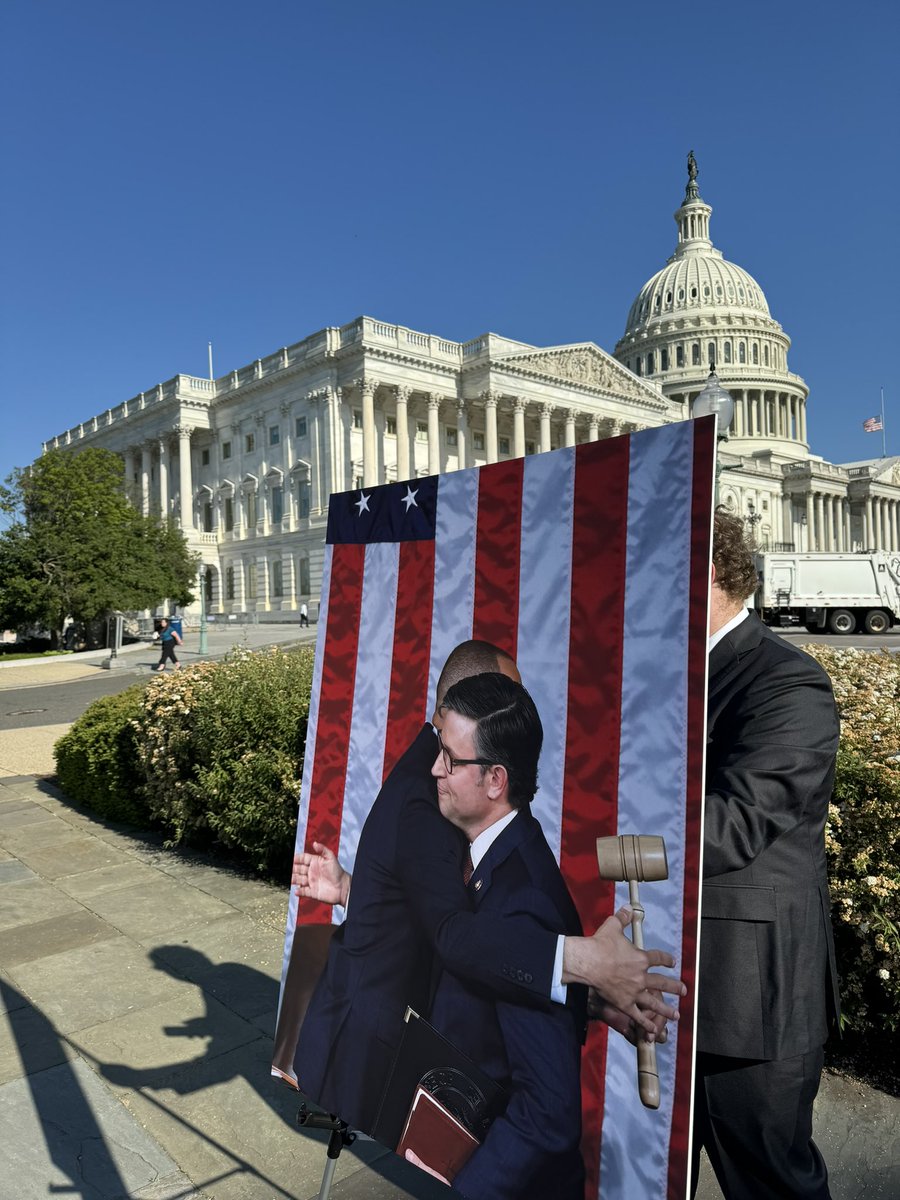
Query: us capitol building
(246, 463)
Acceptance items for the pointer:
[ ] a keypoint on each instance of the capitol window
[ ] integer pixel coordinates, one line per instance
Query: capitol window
(357, 418)
(681, 293)
(274, 435)
(693, 293)
(478, 441)
(529, 448)
(229, 583)
(695, 354)
(251, 581)
(226, 449)
(277, 578)
(504, 445)
(204, 458)
(668, 297)
(679, 356)
(766, 355)
(650, 364)
(300, 427)
(421, 431)
(742, 352)
(229, 517)
(249, 443)
(664, 360)
(450, 435)
(637, 366)
(727, 352)
(754, 353)
(390, 426)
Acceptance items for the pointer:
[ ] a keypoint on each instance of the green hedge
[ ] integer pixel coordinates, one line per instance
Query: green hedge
(863, 836)
(97, 761)
(221, 750)
(212, 754)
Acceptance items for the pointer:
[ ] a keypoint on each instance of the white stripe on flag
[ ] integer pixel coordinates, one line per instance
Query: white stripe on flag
(454, 568)
(548, 491)
(309, 755)
(652, 771)
(371, 695)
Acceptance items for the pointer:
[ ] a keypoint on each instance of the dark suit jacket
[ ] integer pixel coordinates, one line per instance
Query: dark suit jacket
(407, 896)
(531, 1150)
(768, 985)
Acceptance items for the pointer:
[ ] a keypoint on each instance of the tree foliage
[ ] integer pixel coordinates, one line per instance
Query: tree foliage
(77, 548)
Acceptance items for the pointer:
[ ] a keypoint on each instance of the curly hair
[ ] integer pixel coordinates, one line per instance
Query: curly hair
(733, 557)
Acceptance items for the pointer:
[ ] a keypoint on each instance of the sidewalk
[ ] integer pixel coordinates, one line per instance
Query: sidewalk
(139, 989)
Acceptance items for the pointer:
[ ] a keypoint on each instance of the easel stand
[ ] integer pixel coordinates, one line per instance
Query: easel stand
(341, 1136)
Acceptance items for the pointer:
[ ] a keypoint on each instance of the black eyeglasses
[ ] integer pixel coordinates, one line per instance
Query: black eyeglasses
(450, 762)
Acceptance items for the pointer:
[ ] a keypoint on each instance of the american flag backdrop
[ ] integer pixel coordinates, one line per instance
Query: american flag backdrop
(589, 564)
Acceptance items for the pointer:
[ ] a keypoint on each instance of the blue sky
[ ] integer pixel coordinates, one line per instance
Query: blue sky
(192, 170)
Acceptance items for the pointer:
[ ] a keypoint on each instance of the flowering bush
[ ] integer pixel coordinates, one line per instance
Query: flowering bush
(862, 838)
(97, 760)
(212, 753)
(221, 749)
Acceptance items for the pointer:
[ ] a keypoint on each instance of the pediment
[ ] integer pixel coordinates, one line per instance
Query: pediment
(586, 365)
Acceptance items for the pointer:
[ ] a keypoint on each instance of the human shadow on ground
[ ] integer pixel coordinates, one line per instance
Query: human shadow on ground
(73, 1136)
(247, 992)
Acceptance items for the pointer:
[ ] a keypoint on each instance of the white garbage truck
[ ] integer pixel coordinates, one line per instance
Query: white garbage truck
(842, 593)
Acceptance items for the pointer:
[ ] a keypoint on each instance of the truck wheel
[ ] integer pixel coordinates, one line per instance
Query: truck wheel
(841, 620)
(877, 621)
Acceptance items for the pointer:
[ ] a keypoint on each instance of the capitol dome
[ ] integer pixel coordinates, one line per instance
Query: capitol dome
(701, 310)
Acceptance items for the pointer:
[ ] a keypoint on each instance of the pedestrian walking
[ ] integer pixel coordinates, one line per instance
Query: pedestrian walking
(168, 638)
(304, 615)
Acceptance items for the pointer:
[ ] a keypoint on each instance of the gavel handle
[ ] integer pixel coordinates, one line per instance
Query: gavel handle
(648, 1075)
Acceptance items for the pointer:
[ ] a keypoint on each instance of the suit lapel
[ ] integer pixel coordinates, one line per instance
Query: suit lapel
(500, 849)
(726, 655)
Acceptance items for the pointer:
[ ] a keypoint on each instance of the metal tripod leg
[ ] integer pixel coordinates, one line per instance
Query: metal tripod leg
(340, 1137)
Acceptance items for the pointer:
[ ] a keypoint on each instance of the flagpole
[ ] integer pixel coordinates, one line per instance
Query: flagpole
(883, 432)
(211, 369)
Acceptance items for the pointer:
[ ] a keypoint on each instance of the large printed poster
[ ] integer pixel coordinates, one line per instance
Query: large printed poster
(589, 565)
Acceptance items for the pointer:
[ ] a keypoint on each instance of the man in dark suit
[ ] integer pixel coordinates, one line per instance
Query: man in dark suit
(486, 775)
(767, 988)
(408, 901)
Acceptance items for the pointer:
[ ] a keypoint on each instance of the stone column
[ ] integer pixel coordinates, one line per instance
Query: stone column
(519, 406)
(570, 427)
(145, 478)
(802, 419)
(434, 434)
(163, 477)
(820, 523)
(546, 410)
(403, 394)
(832, 524)
(370, 454)
(593, 430)
(868, 526)
(289, 581)
(895, 533)
(787, 520)
(462, 432)
(491, 399)
(185, 498)
(837, 523)
(845, 509)
(810, 523)
(879, 529)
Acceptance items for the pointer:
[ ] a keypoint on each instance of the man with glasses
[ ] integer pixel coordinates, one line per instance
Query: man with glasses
(409, 902)
(486, 772)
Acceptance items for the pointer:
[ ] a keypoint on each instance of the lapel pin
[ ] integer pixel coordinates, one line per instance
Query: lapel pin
(478, 883)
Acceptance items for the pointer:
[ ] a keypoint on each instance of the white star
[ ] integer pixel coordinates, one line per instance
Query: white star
(410, 498)
(363, 503)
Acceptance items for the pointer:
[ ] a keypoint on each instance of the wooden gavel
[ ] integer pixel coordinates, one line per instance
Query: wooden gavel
(637, 858)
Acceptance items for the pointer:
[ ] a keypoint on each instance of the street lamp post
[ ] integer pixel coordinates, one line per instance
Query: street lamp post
(714, 400)
(204, 628)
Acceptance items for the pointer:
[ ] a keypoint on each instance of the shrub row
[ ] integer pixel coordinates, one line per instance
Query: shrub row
(212, 754)
(862, 839)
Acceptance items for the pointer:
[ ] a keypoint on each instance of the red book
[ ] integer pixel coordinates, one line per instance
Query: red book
(436, 1136)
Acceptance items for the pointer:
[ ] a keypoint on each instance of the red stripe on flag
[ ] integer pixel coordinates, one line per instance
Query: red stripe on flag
(698, 634)
(497, 554)
(326, 793)
(593, 723)
(408, 702)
